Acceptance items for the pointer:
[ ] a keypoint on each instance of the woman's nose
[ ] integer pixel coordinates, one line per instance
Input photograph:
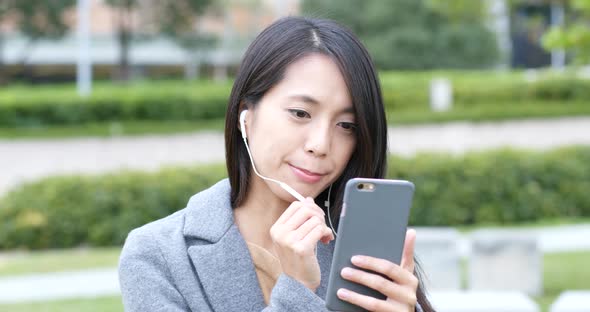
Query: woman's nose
(318, 140)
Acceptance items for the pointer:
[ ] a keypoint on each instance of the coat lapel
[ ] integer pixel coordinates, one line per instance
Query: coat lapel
(227, 274)
(221, 259)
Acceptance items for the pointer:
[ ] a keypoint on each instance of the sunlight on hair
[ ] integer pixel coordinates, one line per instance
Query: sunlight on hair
(315, 39)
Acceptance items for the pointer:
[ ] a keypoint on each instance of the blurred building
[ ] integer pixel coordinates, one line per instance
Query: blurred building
(520, 26)
(517, 24)
(232, 23)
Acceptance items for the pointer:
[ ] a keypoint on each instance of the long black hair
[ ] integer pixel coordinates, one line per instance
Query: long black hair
(263, 66)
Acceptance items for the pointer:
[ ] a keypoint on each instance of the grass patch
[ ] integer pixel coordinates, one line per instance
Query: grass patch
(563, 271)
(110, 129)
(483, 113)
(99, 304)
(526, 225)
(15, 263)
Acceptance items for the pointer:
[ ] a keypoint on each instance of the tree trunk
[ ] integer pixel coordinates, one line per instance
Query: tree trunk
(2, 78)
(123, 71)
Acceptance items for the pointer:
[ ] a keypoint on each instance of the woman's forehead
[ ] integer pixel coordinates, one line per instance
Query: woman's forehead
(315, 80)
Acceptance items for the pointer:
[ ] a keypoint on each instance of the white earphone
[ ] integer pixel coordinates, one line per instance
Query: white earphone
(243, 123)
(286, 187)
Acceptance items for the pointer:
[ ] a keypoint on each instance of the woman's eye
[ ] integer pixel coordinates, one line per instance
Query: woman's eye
(348, 126)
(299, 113)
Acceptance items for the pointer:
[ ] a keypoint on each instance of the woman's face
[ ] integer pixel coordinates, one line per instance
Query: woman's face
(302, 132)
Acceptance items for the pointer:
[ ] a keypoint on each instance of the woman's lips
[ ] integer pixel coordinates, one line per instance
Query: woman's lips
(306, 176)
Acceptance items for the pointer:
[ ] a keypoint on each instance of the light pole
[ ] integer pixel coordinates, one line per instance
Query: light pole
(84, 62)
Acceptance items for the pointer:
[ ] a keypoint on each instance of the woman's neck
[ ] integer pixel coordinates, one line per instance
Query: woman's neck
(258, 213)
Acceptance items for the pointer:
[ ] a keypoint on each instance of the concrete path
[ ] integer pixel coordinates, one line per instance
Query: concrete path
(29, 160)
(104, 282)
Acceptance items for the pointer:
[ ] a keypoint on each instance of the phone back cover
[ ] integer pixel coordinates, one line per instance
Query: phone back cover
(373, 224)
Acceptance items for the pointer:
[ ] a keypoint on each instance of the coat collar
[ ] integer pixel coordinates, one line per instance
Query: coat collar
(209, 214)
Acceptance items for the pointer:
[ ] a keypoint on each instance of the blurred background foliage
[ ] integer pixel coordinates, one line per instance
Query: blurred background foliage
(486, 188)
(575, 36)
(416, 35)
(411, 41)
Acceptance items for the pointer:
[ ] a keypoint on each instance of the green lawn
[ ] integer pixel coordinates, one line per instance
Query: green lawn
(527, 225)
(110, 129)
(492, 112)
(101, 304)
(563, 271)
(14, 263)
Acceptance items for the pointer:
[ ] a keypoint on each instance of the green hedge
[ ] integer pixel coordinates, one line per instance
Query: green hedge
(42, 106)
(95, 210)
(481, 92)
(143, 101)
(500, 187)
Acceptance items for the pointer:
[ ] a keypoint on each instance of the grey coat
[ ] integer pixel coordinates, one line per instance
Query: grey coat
(197, 260)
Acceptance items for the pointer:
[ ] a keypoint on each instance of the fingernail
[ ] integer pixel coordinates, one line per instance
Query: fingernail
(346, 272)
(357, 260)
(343, 293)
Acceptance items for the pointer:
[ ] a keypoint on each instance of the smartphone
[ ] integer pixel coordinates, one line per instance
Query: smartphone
(373, 222)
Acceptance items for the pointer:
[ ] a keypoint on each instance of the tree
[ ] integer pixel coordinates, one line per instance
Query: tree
(415, 34)
(176, 20)
(37, 19)
(574, 37)
(460, 10)
(123, 25)
(172, 18)
(3, 13)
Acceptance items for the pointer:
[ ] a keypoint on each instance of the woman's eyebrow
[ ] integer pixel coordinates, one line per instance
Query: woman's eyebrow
(304, 98)
(309, 100)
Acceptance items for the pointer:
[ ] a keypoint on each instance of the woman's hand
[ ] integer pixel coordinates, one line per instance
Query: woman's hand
(400, 291)
(295, 236)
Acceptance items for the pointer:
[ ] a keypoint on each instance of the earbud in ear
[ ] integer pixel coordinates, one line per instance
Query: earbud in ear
(243, 122)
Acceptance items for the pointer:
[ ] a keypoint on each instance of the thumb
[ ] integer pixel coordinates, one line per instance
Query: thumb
(408, 253)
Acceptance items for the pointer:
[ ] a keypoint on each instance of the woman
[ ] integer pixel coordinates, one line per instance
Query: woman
(315, 119)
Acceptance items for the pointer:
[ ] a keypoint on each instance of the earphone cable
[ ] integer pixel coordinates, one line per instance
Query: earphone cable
(283, 185)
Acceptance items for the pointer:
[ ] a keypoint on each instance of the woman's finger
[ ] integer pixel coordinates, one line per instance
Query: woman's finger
(408, 253)
(301, 215)
(367, 302)
(314, 236)
(287, 214)
(388, 288)
(387, 268)
(307, 227)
